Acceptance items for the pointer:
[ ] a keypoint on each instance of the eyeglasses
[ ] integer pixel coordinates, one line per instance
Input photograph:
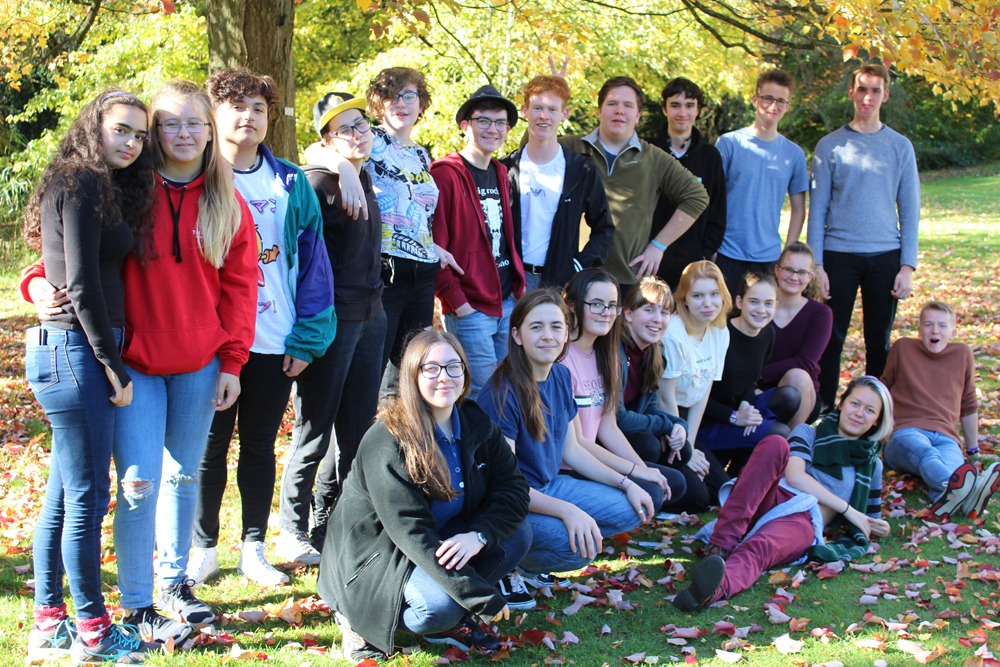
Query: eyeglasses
(599, 307)
(347, 132)
(767, 101)
(483, 123)
(173, 126)
(801, 273)
(432, 371)
(407, 97)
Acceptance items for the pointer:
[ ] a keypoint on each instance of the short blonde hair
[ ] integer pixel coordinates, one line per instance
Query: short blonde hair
(941, 307)
(696, 271)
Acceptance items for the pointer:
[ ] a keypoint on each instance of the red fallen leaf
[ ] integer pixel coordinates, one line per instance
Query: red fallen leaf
(621, 539)
(688, 633)
(367, 662)
(824, 631)
(535, 636)
(455, 654)
(725, 627)
(797, 624)
(978, 636)
(691, 660)
(551, 618)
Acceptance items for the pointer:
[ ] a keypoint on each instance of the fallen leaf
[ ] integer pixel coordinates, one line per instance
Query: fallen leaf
(635, 658)
(785, 644)
(728, 656)
(578, 604)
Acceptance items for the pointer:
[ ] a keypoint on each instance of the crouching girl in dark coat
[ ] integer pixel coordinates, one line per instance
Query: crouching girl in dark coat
(430, 518)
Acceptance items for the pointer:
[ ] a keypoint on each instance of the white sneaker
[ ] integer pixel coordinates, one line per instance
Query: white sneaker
(256, 568)
(296, 547)
(203, 564)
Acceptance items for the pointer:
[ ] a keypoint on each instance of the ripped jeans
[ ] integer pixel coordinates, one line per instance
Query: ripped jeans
(160, 436)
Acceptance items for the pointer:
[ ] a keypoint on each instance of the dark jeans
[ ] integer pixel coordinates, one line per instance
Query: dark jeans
(733, 270)
(337, 393)
(264, 390)
(647, 446)
(71, 385)
(427, 608)
(408, 301)
(876, 276)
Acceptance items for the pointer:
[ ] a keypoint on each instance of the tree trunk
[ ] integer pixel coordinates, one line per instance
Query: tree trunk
(258, 34)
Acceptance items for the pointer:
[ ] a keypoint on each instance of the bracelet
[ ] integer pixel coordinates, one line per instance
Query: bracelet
(971, 451)
(630, 483)
(659, 246)
(846, 509)
(631, 471)
(622, 483)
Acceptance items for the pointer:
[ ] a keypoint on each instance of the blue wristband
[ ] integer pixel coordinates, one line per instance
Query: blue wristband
(971, 452)
(658, 245)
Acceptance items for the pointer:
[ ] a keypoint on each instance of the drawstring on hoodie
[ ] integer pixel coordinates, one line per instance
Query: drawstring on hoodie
(176, 215)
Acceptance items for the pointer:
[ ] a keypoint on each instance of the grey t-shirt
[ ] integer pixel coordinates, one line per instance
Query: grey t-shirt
(803, 439)
(758, 175)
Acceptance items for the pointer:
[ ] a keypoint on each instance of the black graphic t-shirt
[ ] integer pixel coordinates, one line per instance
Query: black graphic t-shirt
(489, 197)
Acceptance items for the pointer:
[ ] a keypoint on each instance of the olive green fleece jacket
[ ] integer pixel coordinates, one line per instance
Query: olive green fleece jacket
(640, 175)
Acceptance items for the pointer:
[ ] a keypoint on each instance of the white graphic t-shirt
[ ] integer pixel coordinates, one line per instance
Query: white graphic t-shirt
(541, 187)
(268, 200)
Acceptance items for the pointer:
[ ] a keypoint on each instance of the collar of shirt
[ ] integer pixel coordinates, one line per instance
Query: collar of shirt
(456, 430)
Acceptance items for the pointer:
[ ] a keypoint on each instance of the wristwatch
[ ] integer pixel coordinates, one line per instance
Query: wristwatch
(732, 418)
(482, 538)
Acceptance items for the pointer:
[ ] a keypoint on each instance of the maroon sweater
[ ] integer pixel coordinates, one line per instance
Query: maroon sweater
(799, 344)
(931, 391)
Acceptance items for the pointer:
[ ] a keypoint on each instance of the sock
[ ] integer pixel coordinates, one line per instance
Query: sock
(47, 618)
(92, 630)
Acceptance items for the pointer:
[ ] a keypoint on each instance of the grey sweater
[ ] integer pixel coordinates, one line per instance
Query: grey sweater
(865, 195)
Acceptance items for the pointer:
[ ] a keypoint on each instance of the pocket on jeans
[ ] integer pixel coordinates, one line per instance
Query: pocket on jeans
(40, 366)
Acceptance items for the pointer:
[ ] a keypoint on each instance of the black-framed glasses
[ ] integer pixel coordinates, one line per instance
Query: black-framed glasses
(598, 307)
(483, 123)
(408, 96)
(173, 126)
(456, 369)
(767, 100)
(347, 131)
(798, 273)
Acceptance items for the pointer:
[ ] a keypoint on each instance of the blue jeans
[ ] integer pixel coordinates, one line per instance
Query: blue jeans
(427, 608)
(71, 385)
(532, 281)
(159, 442)
(550, 550)
(932, 455)
(484, 340)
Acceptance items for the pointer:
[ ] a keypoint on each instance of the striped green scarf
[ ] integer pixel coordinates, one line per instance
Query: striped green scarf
(831, 454)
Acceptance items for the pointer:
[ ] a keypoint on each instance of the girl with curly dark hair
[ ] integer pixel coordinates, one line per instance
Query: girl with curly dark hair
(86, 215)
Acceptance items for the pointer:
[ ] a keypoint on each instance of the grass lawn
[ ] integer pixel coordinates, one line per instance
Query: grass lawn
(932, 591)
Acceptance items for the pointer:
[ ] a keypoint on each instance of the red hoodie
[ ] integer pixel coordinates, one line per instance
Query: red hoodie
(180, 314)
(460, 228)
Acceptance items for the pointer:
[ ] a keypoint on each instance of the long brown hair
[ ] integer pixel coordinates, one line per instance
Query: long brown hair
(408, 417)
(219, 214)
(814, 290)
(605, 347)
(696, 271)
(515, 374)
(650, 291)
(126, 194)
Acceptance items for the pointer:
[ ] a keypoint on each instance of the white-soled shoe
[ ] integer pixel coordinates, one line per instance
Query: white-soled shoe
(254, 565)
(203, 564)
(296, 547)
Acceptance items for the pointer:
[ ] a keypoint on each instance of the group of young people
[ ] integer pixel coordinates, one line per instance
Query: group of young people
(196, 278)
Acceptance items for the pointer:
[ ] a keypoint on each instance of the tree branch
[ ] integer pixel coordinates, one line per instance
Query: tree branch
(461, 45)
(72, 43)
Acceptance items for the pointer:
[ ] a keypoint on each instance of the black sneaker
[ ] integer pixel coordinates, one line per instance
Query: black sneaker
(356, 648)
(542, 580)
(465, 635)
(118, 645)
(180, 598)
(705, 581)
(54, 643)
(514, 591)
(155, 628)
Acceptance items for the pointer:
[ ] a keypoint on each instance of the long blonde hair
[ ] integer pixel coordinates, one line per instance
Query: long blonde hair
(696, 271)
(219, 212)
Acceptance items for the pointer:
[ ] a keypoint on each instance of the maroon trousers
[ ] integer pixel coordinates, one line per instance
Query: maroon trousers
(779, 541)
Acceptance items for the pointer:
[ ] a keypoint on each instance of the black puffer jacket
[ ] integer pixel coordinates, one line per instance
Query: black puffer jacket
(382, 527)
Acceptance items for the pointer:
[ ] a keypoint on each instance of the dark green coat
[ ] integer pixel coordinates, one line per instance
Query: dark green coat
(383, 526)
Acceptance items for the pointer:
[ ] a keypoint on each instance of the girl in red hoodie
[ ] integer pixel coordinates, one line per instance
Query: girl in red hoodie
(189, 323)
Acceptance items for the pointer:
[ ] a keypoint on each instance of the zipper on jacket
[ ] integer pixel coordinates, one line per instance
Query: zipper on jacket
(364, 566)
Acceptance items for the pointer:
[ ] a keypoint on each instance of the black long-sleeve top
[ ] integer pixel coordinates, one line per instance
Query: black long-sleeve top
(745, 359)
(84, 257)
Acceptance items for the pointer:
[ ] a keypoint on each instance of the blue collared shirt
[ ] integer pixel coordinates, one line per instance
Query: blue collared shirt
(446, 510)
